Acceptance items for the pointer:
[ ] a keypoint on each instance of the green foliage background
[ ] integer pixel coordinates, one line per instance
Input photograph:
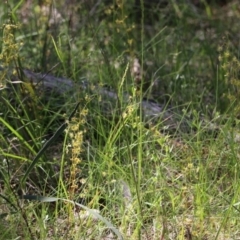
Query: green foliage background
(147, 183)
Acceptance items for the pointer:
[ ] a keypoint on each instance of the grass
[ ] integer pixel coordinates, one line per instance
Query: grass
(113, 174)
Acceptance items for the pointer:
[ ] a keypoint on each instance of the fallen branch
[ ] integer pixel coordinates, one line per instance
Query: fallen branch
(152, 112)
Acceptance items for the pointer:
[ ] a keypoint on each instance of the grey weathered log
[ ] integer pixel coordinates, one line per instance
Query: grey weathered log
(152, 112)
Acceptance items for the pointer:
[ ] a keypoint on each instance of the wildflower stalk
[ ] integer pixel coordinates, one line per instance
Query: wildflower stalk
(9, 52)
(76, 141)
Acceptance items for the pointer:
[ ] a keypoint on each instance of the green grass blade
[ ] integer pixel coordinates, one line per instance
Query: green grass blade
(13, 156)
(19, 137)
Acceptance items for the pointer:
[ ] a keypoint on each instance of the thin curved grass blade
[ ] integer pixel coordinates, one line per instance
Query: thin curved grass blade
(48, 144)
